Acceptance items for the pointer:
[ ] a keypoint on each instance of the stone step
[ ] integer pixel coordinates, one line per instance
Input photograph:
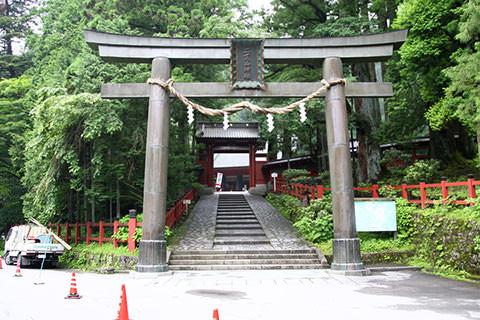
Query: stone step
(242, 221)
(240, 241)
(244, 262)
(234, 209)
(246, 267)
(231, 213)
(243, 256)
(240, 233)
(236, 217)
(271, 251)
(238, 227)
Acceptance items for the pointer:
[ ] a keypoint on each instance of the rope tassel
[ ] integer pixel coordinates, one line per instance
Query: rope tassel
(191, 116)
(270, 123)
(225, 121)
(303, 113)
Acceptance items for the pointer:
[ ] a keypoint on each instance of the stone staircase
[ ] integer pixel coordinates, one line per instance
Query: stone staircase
(246, 260)
(240, 243)
(237, 227)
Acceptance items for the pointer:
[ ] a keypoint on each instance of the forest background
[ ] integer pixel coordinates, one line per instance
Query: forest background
(68, 155)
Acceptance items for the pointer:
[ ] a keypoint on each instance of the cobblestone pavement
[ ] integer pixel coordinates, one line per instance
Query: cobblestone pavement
(199, 230)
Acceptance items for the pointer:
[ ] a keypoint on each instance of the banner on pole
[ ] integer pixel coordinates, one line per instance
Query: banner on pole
(218, 185)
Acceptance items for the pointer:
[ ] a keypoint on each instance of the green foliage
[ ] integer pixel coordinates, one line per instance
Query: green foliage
(288, 206)
(422, 169)
(445, 238)
(405, 219)
(78, 257)
(13, 123)
(293, 173)
(461, 96)
(315, 222)
(122, 233)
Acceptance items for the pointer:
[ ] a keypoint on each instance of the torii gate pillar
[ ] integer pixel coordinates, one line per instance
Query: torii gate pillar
(346, 245)
(152, 251)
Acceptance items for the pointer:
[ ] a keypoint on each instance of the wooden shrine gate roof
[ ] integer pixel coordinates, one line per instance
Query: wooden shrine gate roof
(235, 131)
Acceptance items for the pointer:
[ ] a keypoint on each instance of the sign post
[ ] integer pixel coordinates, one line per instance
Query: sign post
(274, 176)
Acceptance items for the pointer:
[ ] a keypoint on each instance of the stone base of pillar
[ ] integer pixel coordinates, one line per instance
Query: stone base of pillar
(346, 255)
(152, 256)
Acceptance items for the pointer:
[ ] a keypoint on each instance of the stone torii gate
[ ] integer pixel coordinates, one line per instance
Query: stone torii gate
(161, 52)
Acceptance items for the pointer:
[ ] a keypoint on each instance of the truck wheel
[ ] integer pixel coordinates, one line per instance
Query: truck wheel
(8, 259)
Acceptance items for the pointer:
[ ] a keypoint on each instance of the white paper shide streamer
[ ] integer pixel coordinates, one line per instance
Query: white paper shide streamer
(303, 112)
(225, 121)
(270, 122)
(191, 116)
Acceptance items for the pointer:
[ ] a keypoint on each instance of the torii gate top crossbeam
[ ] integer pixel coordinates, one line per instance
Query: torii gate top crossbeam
(365, 48)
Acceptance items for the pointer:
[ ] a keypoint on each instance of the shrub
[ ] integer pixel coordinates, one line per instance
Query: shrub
(315, 222)
(288, 206)
(292, 173)
(405, 219)
(423, 169)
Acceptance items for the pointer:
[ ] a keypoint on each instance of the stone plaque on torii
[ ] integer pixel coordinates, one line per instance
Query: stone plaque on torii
(161, 52)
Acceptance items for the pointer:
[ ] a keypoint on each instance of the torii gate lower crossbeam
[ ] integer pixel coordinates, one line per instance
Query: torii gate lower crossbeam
(152, 253)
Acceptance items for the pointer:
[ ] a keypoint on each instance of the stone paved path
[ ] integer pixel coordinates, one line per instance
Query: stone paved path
(198, 231)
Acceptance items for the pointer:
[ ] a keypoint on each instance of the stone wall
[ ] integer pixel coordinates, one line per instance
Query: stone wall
(108, 263)
(448, 243)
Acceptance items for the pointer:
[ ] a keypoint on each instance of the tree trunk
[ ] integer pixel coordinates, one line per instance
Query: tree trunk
(92, 187)
(118, 198)
(478, 142)
(368, 114)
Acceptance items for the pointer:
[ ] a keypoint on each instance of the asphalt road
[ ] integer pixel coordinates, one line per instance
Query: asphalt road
(293, 294)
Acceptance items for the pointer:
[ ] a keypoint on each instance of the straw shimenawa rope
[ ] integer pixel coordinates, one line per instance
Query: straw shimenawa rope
(244, 104)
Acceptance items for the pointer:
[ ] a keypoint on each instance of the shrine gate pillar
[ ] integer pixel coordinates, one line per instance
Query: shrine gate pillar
(209, 172)
(346, 245)
(252, 168)
(152, 252)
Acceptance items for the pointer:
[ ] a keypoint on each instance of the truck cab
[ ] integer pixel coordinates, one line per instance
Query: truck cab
(30, 245)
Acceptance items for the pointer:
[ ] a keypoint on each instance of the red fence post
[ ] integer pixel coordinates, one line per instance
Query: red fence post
(115, 230)
(89, 231)
(320, 190)
(132, 225)
(423, 193)
(59, 230)
(101, 232)
(77, 232)
(67, 233)
(375, 189)
(471, 188)
(404, 190)
(444, 189)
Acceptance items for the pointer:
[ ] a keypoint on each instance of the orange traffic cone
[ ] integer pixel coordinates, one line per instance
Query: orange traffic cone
(215, 314)
(18, 273)
(73, 289)
(123, 313)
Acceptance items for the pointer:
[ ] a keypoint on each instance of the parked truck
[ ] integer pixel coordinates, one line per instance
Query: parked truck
(31, 245)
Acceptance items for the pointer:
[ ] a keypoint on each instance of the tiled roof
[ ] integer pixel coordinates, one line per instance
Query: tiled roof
(236, 130)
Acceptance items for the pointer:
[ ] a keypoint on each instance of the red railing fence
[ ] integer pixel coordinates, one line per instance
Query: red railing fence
(83, 232)
(317, 191)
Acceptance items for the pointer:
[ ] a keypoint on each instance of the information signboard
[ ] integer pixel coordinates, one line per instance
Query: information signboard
(377, 214)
